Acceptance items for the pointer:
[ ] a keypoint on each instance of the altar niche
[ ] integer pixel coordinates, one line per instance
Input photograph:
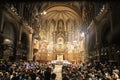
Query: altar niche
(60, 57)
(60, 26)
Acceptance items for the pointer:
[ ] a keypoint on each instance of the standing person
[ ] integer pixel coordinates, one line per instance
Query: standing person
(32, 75)
(47, 73)
(1, 76)
(14, 76)
(65, 77)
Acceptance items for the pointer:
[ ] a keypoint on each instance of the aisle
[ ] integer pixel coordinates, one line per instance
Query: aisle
(58, 71)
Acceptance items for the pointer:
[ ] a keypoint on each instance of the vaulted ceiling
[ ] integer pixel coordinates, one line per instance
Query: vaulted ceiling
(61, 12)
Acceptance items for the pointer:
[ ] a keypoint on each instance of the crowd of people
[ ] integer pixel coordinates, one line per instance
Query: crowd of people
(29, 70)
(26, 70)
(91, 71)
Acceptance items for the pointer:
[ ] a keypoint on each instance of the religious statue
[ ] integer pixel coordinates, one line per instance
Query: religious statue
(60, 25)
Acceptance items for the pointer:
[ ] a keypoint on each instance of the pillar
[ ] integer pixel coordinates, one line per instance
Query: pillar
(30, 54)
(97, 42)
(85, 51)
(1, 20)
(54, 45)
(18, 52)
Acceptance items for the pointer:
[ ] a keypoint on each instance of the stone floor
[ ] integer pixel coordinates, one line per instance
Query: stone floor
(58, 71)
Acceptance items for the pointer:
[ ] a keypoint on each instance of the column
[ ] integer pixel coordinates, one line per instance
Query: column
(85, 51)
(1, 21)
(1, 29)
(20, 30)
(111, 24)
(30, 54)
(54, 45)
(97, 42)
(19, 39)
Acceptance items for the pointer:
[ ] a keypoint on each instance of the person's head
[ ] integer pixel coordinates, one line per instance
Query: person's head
(53, 75)
(1, 74)
(65, 78)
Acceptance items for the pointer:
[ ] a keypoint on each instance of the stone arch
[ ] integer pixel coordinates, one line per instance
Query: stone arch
(115, 39)
(60, 40)
(92, 42)
(52, 25)
(68, 22)
(60, 35)
(105, 34)
(69, 25)
(52, 28)
(9, 40)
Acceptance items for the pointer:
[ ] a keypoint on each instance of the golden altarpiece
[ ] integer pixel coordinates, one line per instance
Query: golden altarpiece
(60, 35)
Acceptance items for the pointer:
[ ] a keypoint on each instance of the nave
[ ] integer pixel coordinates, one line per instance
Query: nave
(76, 31)
(58, 71)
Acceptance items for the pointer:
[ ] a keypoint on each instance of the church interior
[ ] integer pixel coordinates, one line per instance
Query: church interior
(59, 40)
(76, 31)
